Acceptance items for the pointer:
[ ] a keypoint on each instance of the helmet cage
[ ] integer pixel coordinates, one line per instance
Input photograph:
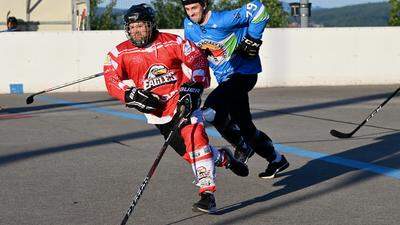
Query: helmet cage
(140, 13)
(144, 41)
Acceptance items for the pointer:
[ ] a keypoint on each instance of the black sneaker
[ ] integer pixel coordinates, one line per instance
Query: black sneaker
(274, 168)
(236, 166)
(243, 153)
(206, 203)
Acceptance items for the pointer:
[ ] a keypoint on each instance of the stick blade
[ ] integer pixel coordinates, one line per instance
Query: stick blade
(339, 134)
(29, 100)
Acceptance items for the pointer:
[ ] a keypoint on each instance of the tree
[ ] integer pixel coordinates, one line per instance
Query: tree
(228, 5)
(278, 17)
(169, 13)
(394, 19)
(102, 20)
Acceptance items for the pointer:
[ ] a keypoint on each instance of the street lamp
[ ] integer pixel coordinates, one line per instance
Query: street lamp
(302, 9)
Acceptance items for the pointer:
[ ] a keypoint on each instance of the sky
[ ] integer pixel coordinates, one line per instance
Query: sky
(320, 3)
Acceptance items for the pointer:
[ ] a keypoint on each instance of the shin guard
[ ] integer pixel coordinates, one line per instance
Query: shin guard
(199, 155)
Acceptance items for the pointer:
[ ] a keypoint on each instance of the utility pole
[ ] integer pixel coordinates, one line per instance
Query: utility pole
(88, 14)
(305, 13)
(28, 10)
(73, 17)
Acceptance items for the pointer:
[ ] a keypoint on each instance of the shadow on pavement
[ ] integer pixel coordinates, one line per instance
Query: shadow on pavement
(385, 152)
(12, 158)
(60, 107)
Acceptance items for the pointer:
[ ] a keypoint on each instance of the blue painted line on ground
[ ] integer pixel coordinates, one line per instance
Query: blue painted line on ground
(386, 171)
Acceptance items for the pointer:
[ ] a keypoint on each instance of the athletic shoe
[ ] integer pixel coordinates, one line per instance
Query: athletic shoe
(236, 166)
(206, 203)
(274, 168)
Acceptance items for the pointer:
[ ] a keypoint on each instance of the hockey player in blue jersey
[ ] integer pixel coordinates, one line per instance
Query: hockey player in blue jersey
(231, 40)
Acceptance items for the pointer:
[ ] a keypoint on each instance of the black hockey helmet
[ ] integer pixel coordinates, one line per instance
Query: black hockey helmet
(12, 19)
(142, 12)
(203, 3)
(187, 2)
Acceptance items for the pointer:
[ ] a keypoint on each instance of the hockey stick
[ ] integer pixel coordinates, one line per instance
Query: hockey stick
(339, 134)
(146, 180)
(30, 99)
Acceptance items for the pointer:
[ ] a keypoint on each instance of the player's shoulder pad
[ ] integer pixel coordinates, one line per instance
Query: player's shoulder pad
(122, 47)
(187, 23)
(226, 16)
(118, 49)
(171, 37)
(261, 13)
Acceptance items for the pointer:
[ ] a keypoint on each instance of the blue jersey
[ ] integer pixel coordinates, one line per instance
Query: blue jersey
(223, 32)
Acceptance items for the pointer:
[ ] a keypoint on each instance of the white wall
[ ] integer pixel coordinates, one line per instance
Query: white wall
(331, 56)
(290, 57)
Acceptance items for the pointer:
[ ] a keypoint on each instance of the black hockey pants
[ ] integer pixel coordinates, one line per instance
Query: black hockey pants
(230, 100)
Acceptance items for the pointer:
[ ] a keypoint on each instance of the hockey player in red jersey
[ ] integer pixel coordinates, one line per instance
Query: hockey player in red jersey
(168, 71)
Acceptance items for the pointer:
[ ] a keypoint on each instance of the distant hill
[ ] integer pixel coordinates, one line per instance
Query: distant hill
(116, 11)
(286, 7)
(370, 14)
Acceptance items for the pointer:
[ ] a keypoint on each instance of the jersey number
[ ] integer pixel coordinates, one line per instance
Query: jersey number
(250, 9)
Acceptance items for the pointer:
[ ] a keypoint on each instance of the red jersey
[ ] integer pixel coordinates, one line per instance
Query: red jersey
(160, 68)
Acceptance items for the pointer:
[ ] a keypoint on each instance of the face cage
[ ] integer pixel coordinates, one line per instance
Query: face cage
(144, 41)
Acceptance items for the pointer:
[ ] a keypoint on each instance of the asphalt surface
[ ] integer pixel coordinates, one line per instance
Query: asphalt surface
(78, 158)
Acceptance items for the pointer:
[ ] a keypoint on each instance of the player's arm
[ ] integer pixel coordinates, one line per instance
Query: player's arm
(255, 17)
(114, 75)
(198, 74)
(185, 30)
(196, 63)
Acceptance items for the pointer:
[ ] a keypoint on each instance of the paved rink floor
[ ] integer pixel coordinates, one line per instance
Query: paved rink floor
(78, 158)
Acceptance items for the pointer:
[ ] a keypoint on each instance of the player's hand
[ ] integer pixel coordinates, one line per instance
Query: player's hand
(249, 47)
(142, 100)
(190, 97)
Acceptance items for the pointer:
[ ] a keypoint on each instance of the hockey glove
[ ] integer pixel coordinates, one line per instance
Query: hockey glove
(143, 101)
(190, 97)
(249, 47)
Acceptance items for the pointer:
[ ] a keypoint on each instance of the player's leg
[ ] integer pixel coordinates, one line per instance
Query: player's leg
(257, 139)
(216, 112)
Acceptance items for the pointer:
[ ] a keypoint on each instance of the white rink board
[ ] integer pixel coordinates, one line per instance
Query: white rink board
(290, 57)
(331, 56)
